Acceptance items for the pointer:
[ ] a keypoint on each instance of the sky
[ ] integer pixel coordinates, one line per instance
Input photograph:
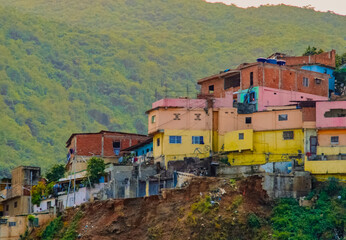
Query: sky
(337, 6)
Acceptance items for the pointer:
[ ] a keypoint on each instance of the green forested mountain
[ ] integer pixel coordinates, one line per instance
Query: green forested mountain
(76, 66)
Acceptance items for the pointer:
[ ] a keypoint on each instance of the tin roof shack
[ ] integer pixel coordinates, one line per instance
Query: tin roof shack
(104, 144)
(331, 138)
(17, 198)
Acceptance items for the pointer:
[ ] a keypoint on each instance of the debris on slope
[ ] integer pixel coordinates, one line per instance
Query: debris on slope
(208, 208)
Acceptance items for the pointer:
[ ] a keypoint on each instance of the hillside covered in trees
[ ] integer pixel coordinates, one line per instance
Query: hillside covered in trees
(77, 66)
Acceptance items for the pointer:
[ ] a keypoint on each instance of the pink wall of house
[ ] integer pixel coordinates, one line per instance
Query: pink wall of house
(180, 102)
(331, 109)
(226, 102)
(277, 97)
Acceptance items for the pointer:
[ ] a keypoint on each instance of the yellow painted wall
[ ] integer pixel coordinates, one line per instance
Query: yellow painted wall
(173, 152)
(333, 150)
(233, 143)
(322, 170)
(325, 167)
(269, 146)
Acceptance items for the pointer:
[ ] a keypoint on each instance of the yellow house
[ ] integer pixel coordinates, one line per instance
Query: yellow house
(185, 128)
(261, 137)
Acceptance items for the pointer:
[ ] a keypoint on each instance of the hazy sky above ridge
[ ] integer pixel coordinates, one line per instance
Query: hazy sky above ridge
(337, 6)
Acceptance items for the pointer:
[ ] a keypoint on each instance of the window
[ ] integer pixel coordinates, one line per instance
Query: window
(11, 224)
(233, 81)
(211, 89)
(248, 120)
(49, 204)
(15, 204)
(251, 78)
(153, 119)
(175, 139)
(176, 116)
(158, 142)
(305, 82)
(241, 136)
(318, 80)
(116, 144)
(334, 140)
(197, 140)
(288, 135)
(283, 117)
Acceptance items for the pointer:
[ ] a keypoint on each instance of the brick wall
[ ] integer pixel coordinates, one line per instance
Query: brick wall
(91, 144)
(326, 58)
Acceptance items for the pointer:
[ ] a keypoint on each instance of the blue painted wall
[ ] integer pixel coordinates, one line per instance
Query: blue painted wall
(144, 149)
(244, 92)
(321, 69)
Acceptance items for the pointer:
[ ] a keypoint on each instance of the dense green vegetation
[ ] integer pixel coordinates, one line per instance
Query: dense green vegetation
(72, 66)
(326, 219)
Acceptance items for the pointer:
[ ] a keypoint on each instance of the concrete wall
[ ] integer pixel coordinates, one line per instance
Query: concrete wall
(43, 207)
(323, 108)
(22, 206)
(293, 185)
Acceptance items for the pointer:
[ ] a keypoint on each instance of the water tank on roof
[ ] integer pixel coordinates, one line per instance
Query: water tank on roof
(281, 62)
(261, 59)
(272, 61)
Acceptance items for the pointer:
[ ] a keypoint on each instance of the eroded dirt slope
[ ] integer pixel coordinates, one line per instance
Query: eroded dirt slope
(209, 208)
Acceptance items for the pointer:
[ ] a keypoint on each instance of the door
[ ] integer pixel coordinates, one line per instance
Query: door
(313, 145)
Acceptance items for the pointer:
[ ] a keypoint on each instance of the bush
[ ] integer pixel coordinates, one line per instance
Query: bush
(253, 221)
(52, 229)
(202, 206)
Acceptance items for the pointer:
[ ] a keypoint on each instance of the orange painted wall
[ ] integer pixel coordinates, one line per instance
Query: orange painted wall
(164, 119)
(325, 135)
(229, 120)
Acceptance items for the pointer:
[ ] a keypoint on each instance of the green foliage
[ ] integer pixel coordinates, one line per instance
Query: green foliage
(52, 229)
(31, 218)
(95, 169)
(312, 51)
(68, 67)
(340, 81)
(55, 173)
(253, 221)
(202, 206)
(326, 220)
(71, 233)
(340, 59)
(37, 192)
(41, 190)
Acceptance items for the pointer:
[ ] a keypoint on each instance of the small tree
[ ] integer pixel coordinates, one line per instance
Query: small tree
(96, 169)
(55, 173)
(312, 51)
(37, 192)
(340, 81)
